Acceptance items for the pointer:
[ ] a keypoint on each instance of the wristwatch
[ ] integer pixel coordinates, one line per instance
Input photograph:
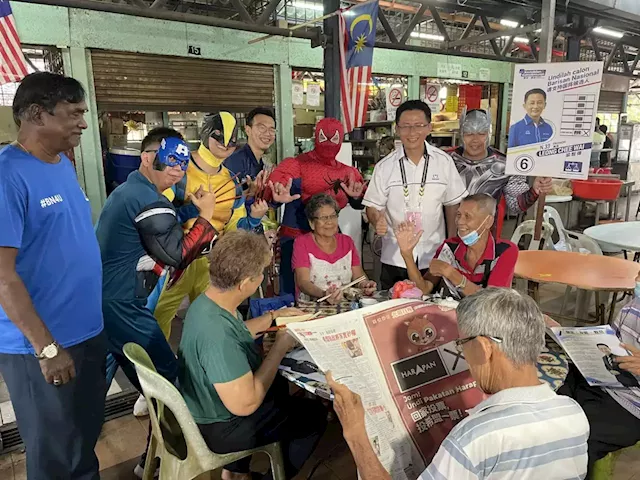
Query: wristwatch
(49, 352)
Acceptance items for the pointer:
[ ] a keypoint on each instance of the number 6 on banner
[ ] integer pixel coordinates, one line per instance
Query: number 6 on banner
(524, 163)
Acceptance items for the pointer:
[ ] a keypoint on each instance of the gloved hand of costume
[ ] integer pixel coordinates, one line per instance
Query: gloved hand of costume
(282, 193)
(148, 264)
(353, 188)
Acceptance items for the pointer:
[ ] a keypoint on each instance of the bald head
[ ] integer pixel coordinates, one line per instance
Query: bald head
(485, 203)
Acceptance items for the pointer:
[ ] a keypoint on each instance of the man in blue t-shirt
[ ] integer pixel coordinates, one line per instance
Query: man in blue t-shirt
(52, 350)
(532, 128)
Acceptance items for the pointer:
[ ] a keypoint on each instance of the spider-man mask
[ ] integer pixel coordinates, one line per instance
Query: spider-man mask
(329, 135)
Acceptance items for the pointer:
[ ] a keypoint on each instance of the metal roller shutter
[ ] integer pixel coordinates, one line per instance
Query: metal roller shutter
(135, 81)
(610, 102)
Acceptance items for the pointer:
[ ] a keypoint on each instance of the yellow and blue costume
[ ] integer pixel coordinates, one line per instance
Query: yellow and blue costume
(230, 213)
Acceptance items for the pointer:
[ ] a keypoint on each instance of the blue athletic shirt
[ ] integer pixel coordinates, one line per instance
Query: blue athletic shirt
(45, 215)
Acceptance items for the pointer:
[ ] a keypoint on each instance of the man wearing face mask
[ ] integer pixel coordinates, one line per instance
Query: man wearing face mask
(468, 262)
(483, 170)
(306, 175)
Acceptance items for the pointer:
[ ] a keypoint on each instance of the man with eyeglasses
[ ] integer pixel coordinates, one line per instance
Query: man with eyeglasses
(261, 133)
(483, 170)
(417, 183)
(522, 430)
(140, 235)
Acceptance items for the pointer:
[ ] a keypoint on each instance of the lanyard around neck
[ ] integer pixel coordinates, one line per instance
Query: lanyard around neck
(423, 182)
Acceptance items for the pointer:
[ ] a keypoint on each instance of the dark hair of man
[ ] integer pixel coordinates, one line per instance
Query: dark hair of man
(535, 91)
(259, 111)
(413, 105)
(157, 135)
(44, 90)
(604, 129)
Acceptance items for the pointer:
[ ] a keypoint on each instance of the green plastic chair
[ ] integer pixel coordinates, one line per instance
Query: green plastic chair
(175, 438)
(604, 468)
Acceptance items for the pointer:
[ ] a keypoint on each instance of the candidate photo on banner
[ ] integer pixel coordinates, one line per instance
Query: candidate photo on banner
(554, 106)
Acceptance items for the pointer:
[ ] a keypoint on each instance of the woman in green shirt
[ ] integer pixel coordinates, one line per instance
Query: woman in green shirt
(232, 393)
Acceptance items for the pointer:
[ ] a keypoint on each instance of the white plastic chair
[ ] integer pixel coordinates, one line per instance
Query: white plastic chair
(545, 243)
(579, 242)
(175, 438)
(553, 218)
(527, 228)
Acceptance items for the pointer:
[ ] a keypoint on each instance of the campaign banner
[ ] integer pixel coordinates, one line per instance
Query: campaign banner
(553, 119)
(427, 377)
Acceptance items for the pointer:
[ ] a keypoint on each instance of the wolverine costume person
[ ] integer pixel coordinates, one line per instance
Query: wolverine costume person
(218, 141)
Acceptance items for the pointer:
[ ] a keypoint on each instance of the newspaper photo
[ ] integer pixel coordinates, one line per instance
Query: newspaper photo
(553, 119)
(594, 351)
(400, 357)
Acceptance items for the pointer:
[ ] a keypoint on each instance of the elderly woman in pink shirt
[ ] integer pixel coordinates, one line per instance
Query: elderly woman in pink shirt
(324, 259)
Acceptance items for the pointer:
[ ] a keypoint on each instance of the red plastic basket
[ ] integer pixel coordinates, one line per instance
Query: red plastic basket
(597, 189)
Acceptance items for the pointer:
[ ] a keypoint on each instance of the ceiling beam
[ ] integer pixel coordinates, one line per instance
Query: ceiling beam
(439, 23)
(492, 36)
(242, 11)
(412, 24)
(385, 25)
(469, 28)
(488, 30)
(267, 12)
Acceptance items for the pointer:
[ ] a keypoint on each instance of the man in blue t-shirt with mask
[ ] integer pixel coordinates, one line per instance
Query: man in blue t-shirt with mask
(52, 350)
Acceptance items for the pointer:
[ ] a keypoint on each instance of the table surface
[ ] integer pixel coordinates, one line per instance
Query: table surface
(625, 235)
(558, 198)
(584, 271)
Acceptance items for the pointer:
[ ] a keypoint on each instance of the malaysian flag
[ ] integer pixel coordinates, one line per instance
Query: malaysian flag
(14, 65)
(357, 37)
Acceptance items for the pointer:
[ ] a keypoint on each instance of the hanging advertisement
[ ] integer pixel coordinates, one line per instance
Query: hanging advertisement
(553, 119)
(395, 95)
(432, 97)
(297, 93)
(313, 95)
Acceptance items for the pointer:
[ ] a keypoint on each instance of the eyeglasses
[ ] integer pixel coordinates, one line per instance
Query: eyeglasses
(262, 129)
(461, 341)
(410, 128)
(327, 218)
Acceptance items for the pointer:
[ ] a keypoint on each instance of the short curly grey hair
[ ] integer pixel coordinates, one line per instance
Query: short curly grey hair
(317, 202)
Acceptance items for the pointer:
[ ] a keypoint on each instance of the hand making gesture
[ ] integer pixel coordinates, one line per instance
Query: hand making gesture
(407, 237)
(353, 188)
(282, 193)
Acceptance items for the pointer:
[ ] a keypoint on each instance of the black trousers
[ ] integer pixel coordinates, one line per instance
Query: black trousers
(297, 423)
(59, 425)
(390, 274)
(612, 427)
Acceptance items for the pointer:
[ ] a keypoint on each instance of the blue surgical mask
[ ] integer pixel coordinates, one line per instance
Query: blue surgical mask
(472, 238)
(636, 291)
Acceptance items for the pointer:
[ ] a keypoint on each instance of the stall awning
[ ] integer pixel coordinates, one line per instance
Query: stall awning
(137, 81)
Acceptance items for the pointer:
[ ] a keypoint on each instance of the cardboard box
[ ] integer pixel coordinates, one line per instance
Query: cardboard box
(115, 126)
(115, 141)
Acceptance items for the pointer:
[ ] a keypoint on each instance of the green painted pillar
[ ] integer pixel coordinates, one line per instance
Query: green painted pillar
(284, 112)
(414, 87)
(77, 63)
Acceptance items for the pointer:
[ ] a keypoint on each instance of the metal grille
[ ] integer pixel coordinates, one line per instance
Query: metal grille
(610, 102)
(134, 81)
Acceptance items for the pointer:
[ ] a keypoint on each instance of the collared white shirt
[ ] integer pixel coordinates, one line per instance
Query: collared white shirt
(443, 187)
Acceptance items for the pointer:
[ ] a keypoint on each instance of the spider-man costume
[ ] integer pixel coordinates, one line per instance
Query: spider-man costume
(313, 172)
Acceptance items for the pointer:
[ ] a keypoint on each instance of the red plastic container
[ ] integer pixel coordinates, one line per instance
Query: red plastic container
(597, 189)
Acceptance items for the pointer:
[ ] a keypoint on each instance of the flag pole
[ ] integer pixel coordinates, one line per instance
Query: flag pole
(310, 22)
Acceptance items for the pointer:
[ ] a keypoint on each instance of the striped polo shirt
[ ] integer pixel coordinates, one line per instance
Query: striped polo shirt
(524, 433)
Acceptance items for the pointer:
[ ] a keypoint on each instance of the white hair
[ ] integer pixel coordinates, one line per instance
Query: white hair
(506, 314)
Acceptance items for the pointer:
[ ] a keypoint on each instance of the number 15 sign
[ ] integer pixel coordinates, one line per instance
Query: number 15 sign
(553, 114)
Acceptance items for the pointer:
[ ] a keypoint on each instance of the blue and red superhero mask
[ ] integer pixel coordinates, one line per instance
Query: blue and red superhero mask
(173, 152)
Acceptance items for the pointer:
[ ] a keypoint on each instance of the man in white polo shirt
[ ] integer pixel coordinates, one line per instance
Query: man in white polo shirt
(413, 183)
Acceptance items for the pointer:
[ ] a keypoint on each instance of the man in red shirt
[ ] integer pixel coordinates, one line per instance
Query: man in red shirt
(464, 264)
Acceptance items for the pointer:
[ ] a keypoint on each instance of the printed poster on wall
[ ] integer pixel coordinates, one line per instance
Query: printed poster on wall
(449, 70)
(553, 119)
(313, 95)
(297, 93)
(432, 96)
(394, 96)
(428, 378)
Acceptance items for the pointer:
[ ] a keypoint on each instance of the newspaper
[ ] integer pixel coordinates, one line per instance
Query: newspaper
(400, 357)
(594, 351)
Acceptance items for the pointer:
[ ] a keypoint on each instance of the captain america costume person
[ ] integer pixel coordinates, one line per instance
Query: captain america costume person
(206, 172)
(313, 172)
(482, 169)
(139, 236)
